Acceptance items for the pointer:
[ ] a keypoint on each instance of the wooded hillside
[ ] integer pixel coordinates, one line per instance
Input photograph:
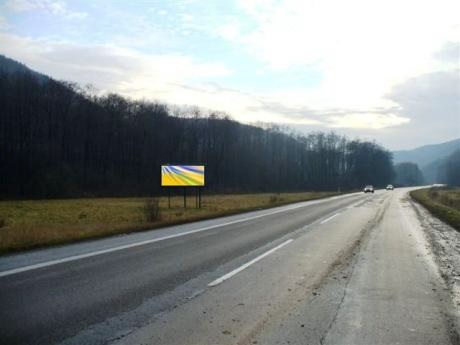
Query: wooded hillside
(59, 141)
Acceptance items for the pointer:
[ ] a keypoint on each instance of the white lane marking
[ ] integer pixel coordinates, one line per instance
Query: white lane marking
(354, 205)
(246, 265)
(137, 244)
(328, 219)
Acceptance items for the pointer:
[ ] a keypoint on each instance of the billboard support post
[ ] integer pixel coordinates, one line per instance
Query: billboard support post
(185, 197)
(198, 197)
(169, 198)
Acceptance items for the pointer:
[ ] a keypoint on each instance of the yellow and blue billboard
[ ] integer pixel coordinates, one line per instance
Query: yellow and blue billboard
(182, 175)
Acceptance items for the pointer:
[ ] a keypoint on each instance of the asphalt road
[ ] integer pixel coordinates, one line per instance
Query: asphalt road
(343, 270)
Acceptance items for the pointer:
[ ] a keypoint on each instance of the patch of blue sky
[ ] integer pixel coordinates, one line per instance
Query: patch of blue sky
(189, 28)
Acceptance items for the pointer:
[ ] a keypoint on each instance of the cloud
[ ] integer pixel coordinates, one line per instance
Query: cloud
(20, 5)
(175, 79)
(432, 101)
(359, 50)
(368, 120)
(115, 67)
(55, 7)
(229, 30)
(373, 118)
(3, 23)
(354, 66)
(301, 32)
(450, 53)
(364, 51)
(179, 79)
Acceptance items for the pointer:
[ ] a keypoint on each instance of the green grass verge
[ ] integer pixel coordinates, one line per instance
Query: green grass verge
(37, 223)
(443, 202)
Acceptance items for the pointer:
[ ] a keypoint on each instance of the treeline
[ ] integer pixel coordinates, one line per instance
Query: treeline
(408, 174)
(449, 169)
(57, 140)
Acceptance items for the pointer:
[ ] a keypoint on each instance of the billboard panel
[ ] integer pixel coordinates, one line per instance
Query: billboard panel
(182, 175)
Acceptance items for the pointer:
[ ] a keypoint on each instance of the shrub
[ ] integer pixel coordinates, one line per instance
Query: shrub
(152, 209)
(2, 222)
(274, 199)
(433, 193)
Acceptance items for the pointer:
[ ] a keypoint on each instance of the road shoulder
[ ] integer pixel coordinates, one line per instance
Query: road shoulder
(444, 246)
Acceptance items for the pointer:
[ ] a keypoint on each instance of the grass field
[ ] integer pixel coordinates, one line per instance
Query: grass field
(443, 202)
(36, 223)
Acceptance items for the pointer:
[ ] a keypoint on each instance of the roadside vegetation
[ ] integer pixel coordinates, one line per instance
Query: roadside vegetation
(442, 202)
(35, 223)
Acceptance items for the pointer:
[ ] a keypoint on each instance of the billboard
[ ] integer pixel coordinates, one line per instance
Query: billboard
(182, 175)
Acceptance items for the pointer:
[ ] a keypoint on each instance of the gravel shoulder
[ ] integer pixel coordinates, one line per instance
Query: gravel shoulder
(444, 244)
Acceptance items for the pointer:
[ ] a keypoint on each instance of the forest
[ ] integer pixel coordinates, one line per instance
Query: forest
(448, 171)
(59, 140)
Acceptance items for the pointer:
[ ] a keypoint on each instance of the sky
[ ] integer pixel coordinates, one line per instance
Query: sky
(382, 70)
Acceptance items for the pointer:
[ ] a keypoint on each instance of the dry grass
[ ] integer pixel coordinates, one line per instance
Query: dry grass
(37, 223)
(443, 202)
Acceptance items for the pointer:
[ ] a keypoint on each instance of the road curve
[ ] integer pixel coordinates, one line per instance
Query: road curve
(343, 270)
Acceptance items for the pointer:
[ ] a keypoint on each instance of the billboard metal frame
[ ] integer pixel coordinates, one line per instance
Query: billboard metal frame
(197, 187)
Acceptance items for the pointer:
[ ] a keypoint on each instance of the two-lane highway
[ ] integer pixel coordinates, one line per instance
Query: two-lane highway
(50, 296)
(315, 272)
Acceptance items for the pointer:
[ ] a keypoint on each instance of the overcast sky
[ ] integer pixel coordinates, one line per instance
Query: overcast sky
(387, 70)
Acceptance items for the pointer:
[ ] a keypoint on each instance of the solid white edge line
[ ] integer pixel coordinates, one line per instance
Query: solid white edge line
(246, 265)
(328, 219)
(136, 244)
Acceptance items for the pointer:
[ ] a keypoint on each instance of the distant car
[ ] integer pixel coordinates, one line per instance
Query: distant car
(390, 187)
(369, 189)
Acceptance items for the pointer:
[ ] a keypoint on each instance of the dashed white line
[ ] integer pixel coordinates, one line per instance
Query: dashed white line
(246, 265)
(328, 219)
(141, 243)
(354, 205)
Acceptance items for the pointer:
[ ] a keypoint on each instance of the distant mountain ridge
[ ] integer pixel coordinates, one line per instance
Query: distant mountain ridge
(429, 157)
(427, 154)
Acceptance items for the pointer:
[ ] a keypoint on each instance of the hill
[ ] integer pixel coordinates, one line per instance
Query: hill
(11, 67)
(427, 154)
(58, 141)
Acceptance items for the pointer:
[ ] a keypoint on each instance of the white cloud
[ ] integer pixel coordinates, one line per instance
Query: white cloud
(114, 69)
(368, 120)
(55, 7)
(449, 54)
(362, 48)
(20, 5)
(391, 34)
(175, 79)
(178, 79)
(3, 22)
(125, 66)
(229, 31)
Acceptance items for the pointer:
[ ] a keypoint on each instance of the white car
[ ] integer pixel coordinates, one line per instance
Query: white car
(390, 187)
(369, 189)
